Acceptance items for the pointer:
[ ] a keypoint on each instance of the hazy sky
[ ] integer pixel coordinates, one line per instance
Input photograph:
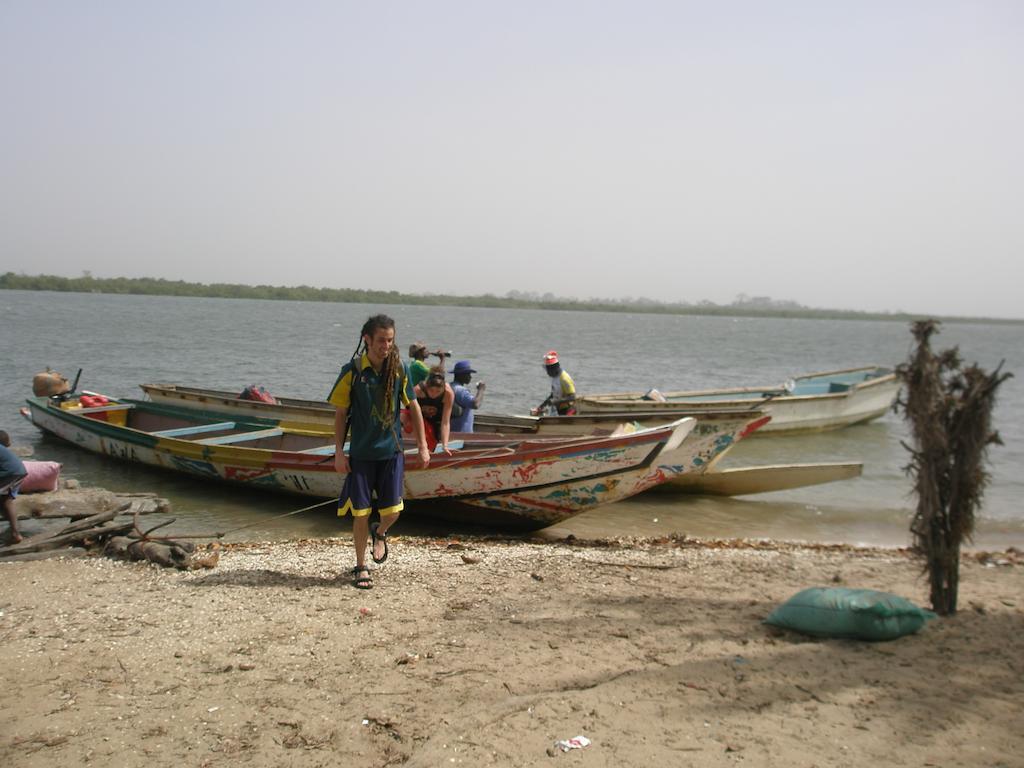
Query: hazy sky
(863, 155)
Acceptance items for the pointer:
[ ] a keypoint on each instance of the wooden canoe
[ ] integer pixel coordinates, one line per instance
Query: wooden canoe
(814, 402)
(512, 481)
(715, 433)
(742, 481)
(295, 413)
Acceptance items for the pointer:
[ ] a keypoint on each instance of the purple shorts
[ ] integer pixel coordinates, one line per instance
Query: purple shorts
(384, 476)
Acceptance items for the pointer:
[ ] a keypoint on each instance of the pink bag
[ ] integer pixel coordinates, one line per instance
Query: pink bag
(42, 476)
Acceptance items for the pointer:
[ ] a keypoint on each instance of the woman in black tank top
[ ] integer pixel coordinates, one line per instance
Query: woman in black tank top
(435, 398)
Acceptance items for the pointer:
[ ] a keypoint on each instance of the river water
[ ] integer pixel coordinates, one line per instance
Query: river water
(296, 348)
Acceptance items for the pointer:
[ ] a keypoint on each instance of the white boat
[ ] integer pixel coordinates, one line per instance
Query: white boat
(318, 415)
(743, 481)
(815, 402)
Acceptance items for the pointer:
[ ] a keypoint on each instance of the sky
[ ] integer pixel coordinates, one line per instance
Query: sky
(852, 155)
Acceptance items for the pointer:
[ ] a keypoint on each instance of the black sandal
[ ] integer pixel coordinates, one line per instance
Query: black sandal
(362, 582)
(374, 537)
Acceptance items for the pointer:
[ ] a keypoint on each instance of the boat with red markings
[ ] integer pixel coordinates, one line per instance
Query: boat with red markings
(489, 479)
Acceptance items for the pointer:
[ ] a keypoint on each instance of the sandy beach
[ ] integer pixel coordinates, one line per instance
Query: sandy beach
(488, 651)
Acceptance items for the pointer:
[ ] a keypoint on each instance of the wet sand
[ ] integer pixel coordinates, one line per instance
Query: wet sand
(488, 651)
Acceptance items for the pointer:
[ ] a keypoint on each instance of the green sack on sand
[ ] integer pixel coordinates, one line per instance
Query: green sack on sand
(857, 614)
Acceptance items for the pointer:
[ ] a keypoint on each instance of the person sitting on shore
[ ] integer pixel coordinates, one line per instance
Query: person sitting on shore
(436, 399)
(12, 472)
(465, 401)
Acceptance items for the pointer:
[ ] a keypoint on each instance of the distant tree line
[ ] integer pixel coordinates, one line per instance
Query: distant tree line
(743, 306)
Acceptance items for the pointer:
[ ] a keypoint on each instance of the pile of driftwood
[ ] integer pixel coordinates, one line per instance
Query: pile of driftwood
(115, 532)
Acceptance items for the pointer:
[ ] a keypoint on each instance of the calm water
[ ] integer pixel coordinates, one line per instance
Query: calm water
(296, 348)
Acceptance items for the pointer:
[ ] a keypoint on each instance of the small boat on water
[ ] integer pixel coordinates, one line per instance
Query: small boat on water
(815, 402)
(489, 479)
(295, 413)
(744, 481)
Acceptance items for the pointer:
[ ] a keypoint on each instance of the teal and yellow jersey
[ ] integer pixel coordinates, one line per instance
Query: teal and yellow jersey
(375, 425)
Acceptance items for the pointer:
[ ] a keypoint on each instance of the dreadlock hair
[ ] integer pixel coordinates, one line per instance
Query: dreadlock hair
(392, 363)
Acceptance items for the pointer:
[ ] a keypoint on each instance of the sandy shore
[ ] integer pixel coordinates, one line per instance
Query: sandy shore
(486, 652)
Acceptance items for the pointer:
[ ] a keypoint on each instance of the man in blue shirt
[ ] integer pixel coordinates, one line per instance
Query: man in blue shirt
(12, 472)
(465, 401)
(369, 393)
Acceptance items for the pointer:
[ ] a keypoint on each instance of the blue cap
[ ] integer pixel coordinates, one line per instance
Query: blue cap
(463, 366)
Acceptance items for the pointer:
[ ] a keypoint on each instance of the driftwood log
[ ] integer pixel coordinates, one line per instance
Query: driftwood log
(114, 531)
(81, 532)
(56, 506)
(116, 541)
(170, 554)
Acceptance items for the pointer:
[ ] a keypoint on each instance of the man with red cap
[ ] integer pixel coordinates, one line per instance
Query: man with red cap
(562, 400)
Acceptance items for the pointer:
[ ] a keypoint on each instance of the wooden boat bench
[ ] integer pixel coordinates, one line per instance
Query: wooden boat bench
(321, 450)
(104, 408)
(818, 388)
(114, 413)
(243, 437)
(196, 429)
(328, 450)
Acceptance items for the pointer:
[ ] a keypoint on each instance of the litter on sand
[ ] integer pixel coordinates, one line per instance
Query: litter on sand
(577, 743)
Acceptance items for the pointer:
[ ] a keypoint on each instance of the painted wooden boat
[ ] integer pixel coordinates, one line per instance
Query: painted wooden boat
(817, 401)
(715, 432)
(289, 412)
(743, 481)
(523, 482)
(704, 444)
(294, 413)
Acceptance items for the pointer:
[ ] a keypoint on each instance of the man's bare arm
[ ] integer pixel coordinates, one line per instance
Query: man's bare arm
(340, 424)
(417, 428)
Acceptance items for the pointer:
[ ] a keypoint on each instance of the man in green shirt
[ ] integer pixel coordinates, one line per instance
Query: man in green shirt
(418, 368)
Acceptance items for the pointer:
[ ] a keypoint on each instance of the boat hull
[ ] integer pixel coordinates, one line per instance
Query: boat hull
(293, 413)
(705, 443)
(744, 481)
(565, 477)
(852, 402)
(715, 432)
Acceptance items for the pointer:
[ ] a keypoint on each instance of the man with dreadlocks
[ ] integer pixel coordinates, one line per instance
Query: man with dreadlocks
(369, 393)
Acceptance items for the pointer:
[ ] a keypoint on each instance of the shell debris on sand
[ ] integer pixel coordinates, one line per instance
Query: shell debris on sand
(633, 642)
